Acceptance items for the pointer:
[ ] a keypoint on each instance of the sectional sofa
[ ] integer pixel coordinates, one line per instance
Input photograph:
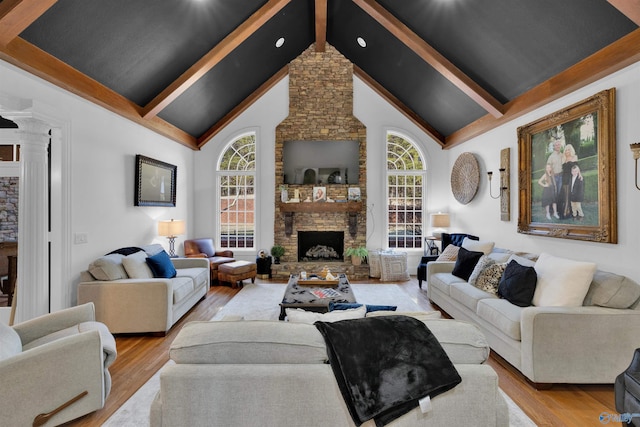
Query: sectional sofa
(567, 334)
(273, 373)
(130, 297)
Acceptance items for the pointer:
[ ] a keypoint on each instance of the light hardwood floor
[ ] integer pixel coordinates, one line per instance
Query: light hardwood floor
(139, 357)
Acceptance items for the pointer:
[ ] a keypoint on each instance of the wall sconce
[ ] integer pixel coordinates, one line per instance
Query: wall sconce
(502, 186)
(171, 229)
(635, 149)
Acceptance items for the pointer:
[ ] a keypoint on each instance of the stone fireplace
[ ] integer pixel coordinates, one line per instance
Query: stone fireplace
(320, 109)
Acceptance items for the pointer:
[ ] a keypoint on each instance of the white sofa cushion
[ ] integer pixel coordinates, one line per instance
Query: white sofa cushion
(478, 245)
(136, 266)
(562, 282)
(108, 267)
(297, 315)
(251, 342)
(463, 341)
(501, 314)
(10, 343)
(612, 290)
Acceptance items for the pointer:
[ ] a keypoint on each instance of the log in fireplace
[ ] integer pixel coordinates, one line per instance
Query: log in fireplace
(320, 246)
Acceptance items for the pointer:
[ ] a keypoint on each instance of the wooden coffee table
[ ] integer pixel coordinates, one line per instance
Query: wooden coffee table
(301, 296)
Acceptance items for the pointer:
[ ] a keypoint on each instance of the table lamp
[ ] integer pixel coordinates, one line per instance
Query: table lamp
(171, 229)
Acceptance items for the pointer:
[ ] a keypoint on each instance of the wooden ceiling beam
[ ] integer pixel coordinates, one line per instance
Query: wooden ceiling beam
(321, 25)
(630, 8)
(28, 57)
(16, 15)
(616, 56)
(432, 57)
(384, 93)
(213, 57)
(240, 108)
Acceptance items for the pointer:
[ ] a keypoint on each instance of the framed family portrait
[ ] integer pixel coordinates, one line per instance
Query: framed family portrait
(566, 171)
(319, 194)
(155, 182)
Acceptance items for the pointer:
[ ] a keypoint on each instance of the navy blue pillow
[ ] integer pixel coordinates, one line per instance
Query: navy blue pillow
(161, 265)
(349, 305)
(465, 263)
(518, 284)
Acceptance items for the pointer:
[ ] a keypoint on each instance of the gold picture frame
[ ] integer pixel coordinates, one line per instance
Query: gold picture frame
(581, 204)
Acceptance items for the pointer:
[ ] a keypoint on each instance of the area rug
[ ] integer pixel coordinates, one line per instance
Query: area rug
(259, 302)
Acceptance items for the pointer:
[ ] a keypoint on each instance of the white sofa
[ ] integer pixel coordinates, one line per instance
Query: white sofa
(590, 343)
(270, 373)
(131, 300)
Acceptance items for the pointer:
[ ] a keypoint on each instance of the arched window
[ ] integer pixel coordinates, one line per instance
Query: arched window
(406, 178)
(236, 188)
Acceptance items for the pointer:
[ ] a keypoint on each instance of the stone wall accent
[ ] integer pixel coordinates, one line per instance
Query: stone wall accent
(8, 209)
(320, 108)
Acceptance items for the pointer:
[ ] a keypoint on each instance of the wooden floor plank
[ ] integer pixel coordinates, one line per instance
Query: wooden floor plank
(140, 356)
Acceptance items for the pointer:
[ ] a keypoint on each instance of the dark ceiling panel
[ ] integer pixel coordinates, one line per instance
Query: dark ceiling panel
(136, 48)
(244, 70)
(396, 67)
(507, 46)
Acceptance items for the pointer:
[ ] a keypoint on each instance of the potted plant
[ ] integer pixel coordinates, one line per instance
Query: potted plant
(277, 251)
(357, 254)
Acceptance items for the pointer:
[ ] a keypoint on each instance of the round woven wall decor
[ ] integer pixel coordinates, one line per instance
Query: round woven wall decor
(465, 178)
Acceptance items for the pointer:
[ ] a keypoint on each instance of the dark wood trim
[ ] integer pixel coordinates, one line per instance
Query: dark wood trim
(28, 57)
(606, 61)
(213, 57)
(406, 111)
(240, 108)
(16, 15)
(321, 25)
(434, 58)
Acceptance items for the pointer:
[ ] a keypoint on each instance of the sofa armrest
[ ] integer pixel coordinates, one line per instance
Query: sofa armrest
(226, 253)
(561, 344)
(131, 305)
(68, 365)
(190, 263)
(53, 322)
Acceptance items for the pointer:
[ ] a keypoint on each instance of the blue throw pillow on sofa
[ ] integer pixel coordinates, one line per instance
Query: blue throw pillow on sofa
(349, 305)
(161, 265)
(518, 284)
(465, 263)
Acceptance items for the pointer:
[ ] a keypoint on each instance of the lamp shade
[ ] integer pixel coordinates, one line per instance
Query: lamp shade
(171, 228)
(440, 220)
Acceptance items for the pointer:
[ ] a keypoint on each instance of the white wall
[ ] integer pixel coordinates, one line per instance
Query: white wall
(482, 215)
(103, 146)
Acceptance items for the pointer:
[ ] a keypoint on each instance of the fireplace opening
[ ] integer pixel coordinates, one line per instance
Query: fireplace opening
(320, 246)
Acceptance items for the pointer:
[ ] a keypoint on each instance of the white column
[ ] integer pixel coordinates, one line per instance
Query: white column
(33, 265)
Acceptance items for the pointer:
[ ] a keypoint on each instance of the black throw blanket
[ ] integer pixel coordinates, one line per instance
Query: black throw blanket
(385, 365)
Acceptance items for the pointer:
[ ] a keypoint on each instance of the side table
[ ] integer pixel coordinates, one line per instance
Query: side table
(264, 267)
(422, 268)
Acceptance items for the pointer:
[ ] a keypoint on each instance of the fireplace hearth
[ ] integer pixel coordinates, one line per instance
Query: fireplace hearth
(320, 246)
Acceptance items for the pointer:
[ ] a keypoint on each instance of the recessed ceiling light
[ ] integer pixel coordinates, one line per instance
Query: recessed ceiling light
(361, 42)
(280, 42)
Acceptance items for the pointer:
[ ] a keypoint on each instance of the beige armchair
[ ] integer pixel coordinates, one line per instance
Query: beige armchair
(54, 368)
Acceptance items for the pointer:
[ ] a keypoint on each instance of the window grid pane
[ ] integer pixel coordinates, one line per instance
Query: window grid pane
(405, 180)
(236, 174)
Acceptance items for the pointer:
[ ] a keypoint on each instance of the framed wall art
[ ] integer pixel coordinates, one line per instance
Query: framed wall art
(566, 172)
(155, 182)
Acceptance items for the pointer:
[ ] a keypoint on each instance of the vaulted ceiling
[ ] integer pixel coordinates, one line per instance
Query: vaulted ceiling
(187, 68)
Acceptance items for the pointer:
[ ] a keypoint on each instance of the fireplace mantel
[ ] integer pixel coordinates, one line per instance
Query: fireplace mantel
(351, 207)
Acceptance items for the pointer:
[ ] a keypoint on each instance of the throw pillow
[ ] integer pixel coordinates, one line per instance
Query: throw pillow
(612, 290)
(136, 266)
(489, 278)
(450, 253)
(465, 263)
(370, 308)
(527, 262)
(298, 315)
(478, 245)
(562, 282)
(108, 267)
(518, 284)
(483, 263)
(161, 265)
